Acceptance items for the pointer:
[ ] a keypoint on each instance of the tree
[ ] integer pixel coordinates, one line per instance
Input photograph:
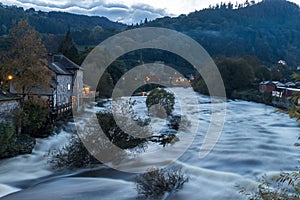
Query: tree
(163, 99)
(262, 73)
(26, 59)
(237, 74)
(68, 48)
(51, 43)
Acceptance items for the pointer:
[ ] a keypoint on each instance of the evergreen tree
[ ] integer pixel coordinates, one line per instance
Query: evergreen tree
(68, 48)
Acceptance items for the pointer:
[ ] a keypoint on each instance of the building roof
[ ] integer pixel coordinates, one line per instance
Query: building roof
(62, 65)
(65, 62)
(58, 69)
(6, 96)
(276, 83)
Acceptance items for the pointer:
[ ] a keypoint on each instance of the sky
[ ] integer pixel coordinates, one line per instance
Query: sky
(125, 11)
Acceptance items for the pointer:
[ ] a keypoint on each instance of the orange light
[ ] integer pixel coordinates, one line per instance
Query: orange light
(9, 77)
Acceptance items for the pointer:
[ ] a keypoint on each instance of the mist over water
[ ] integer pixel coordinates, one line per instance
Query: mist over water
(255, 140)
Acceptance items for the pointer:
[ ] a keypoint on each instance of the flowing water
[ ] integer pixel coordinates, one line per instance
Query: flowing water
(256, 140)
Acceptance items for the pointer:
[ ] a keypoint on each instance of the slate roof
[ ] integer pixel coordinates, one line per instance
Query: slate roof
(6, 96)
(62, 65)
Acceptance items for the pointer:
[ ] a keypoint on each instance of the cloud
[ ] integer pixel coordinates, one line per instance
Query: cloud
(115, 11)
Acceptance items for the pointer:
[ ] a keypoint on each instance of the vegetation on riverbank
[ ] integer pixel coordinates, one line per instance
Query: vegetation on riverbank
(158, 183)
(33, 119)
(13, 144)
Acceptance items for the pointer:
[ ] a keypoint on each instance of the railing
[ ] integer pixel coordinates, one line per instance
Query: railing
(61, 110)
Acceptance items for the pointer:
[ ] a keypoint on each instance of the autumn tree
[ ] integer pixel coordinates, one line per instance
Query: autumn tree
(26, 60)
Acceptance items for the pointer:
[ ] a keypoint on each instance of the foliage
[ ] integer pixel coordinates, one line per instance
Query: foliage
(253, 95)
(7, 138)
(285, 186)
(162, 99)
(68, 48)
(34, 118)
(12, 144)
(26, 60)
(294, 112)
(262, 73)
(158, 182)
(265, 29)
(237, 74)
(105, 85)
(116, 135)
(73, 155)
(52, 22)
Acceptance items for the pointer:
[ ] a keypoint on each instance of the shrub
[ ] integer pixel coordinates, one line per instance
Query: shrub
(7, 139)
(12, 144)
(35, 121)
(116, 135)
(161, 99)
(285, 186)
(73, 155)
(157, 182)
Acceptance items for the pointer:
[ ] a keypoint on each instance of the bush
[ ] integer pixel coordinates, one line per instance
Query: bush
(12, 144)
(73, 155)
(157, 182)
(161, 99)
(285, 186)
(35, 119)
(116, 135)
(7, 138)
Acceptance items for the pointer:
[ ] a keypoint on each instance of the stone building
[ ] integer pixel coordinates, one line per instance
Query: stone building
(66, 87)
(67, 83)
(8, 103)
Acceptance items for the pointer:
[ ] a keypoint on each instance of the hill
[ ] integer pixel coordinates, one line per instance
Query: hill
(269, 30)
(52, 22)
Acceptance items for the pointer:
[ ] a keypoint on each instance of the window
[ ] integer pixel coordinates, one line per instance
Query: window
(69, 87)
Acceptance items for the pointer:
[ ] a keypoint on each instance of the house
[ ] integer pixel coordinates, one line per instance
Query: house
(269, 86)
(65, 91)
(266, 86)
(8, 103)
(67, 82)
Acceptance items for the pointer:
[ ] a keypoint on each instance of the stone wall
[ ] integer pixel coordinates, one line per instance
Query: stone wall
(6, 110)
(77, 90)
(64, 89)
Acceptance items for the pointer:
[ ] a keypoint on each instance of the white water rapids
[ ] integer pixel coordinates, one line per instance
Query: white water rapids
(255, 140)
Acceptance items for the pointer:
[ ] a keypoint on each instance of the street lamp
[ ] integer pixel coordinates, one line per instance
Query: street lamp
(10, 77)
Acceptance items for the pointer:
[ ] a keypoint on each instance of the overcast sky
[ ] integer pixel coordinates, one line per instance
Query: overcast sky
(126, 11)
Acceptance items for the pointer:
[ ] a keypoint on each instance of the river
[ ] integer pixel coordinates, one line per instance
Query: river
(255, 140)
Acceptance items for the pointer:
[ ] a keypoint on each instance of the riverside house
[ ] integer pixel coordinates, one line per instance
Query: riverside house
(65, 91)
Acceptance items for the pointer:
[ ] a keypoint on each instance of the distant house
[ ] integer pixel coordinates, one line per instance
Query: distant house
(8, 103)
(267, 86)
(270, 86)
(66, 85)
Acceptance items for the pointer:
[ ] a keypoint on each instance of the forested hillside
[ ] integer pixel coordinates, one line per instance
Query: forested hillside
(269, 30)
(52, 22)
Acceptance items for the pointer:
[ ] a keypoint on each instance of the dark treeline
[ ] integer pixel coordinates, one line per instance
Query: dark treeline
(52, 22)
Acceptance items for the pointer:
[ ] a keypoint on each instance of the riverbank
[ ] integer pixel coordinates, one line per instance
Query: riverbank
(265, 98)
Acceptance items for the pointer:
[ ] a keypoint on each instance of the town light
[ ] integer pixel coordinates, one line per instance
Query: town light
(9, 77)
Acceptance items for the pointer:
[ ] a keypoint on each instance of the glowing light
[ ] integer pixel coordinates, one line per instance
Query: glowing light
(10, 77)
